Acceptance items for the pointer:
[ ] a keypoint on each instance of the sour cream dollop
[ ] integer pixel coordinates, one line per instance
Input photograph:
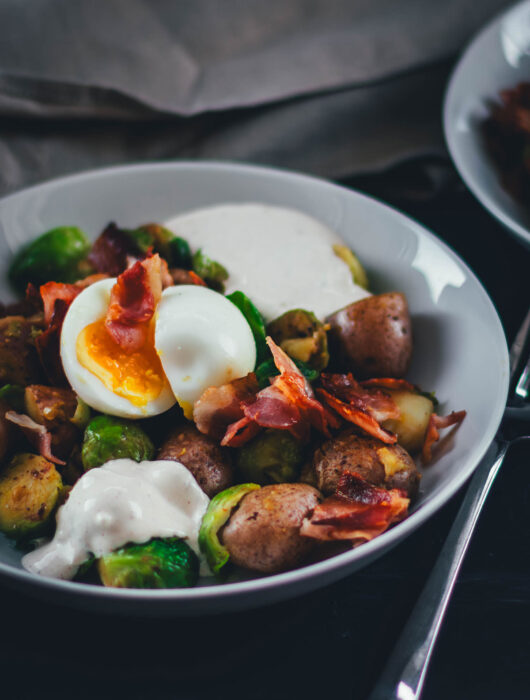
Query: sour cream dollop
(280, 258)
(121, 501)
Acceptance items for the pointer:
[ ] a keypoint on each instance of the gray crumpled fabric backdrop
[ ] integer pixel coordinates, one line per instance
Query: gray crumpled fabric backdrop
(332, 87)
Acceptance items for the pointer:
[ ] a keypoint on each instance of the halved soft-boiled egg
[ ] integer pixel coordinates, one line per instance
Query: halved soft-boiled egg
(197, 339)
(130, 385)
(203, 340)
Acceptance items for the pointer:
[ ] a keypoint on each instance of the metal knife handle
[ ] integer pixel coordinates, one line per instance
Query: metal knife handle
(404, 674)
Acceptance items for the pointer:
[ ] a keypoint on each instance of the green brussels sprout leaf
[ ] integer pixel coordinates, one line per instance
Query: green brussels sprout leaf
(255, 321)
(107, 437)
(213, 273)
(218, 513)
(159, 563)
(180, 253)
(56, 255)
(274, 456)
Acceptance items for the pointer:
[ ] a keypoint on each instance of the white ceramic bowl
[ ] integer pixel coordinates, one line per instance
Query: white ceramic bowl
(498, 58)
(460, 349)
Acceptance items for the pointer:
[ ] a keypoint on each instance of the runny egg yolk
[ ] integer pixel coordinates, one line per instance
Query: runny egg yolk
(137, 376)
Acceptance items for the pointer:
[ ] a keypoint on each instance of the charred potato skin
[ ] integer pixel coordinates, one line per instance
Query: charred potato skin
(210, 464)
(369, 457)
(263, 534)
(373, 337)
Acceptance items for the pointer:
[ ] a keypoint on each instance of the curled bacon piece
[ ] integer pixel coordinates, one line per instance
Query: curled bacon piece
(48, 345)
(287, 404)
(366, 407)
(133, 300)
(222, 406)
(111, 249)
(436, 423)
(388, 383)
(52, 291)
(357, 511)
(35, 433)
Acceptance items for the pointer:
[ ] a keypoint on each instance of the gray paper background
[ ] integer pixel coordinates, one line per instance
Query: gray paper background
(330, 87)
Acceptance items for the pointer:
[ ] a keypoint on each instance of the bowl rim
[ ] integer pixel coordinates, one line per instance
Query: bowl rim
(467, 58)
(369, 550)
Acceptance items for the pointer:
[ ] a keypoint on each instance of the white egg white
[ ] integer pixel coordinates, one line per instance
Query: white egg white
(88, 307)
(203, 340)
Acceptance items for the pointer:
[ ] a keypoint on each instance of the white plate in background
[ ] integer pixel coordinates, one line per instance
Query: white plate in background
(498, 58)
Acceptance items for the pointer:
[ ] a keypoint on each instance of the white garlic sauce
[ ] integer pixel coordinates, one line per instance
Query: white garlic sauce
(121, 501)
(280, 258)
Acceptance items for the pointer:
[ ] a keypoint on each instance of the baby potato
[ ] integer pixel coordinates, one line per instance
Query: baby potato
(389, 466)
(372, 337)
(210, 464)
(411, 426)
(263, 534)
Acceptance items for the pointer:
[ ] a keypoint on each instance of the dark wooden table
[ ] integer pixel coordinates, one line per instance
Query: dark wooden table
(332, 643)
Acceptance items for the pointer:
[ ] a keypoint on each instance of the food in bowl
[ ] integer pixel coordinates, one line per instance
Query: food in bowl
(221, 391)
(507, 136)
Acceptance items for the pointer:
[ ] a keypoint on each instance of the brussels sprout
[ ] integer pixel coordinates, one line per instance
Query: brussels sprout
(49, 406)
(302, 336)
(274, 456)
(358, 272)
(213, 273)
(13, 394)
(30, 489)
(219, 511)
(107, 437)
(268, 369)
(179, 253)
(175, 250)
(255, 321)
(159, 563)
(19, 360)
(53, 256)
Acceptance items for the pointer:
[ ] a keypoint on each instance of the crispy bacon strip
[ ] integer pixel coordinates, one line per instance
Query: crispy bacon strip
(432, 435)
(111, 249)
(388, 383)
(287, 404)
(359, 417)
(133, 300)
(51, 291)
(35, 433)
(220, 408)
(371, 400)
(357, 511)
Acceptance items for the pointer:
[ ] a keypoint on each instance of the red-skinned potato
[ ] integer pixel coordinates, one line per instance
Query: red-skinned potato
(372, 337)
(263, 534)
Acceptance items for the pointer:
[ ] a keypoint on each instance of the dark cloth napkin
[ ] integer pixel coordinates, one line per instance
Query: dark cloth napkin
(332, 87)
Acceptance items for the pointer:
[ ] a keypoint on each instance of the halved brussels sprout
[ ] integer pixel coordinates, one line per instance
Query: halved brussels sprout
(53, 256)
(19, 360)
(159, 563)
(213, 273)
(49, 406)
(219, 511)
(274, 456)
(107, 437)
(30, 489)
(302, 336)
(358, 272)
(255, 321)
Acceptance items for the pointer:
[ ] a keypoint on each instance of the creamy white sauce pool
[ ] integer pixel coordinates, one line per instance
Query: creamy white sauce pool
(121, 501)
(280, 258)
